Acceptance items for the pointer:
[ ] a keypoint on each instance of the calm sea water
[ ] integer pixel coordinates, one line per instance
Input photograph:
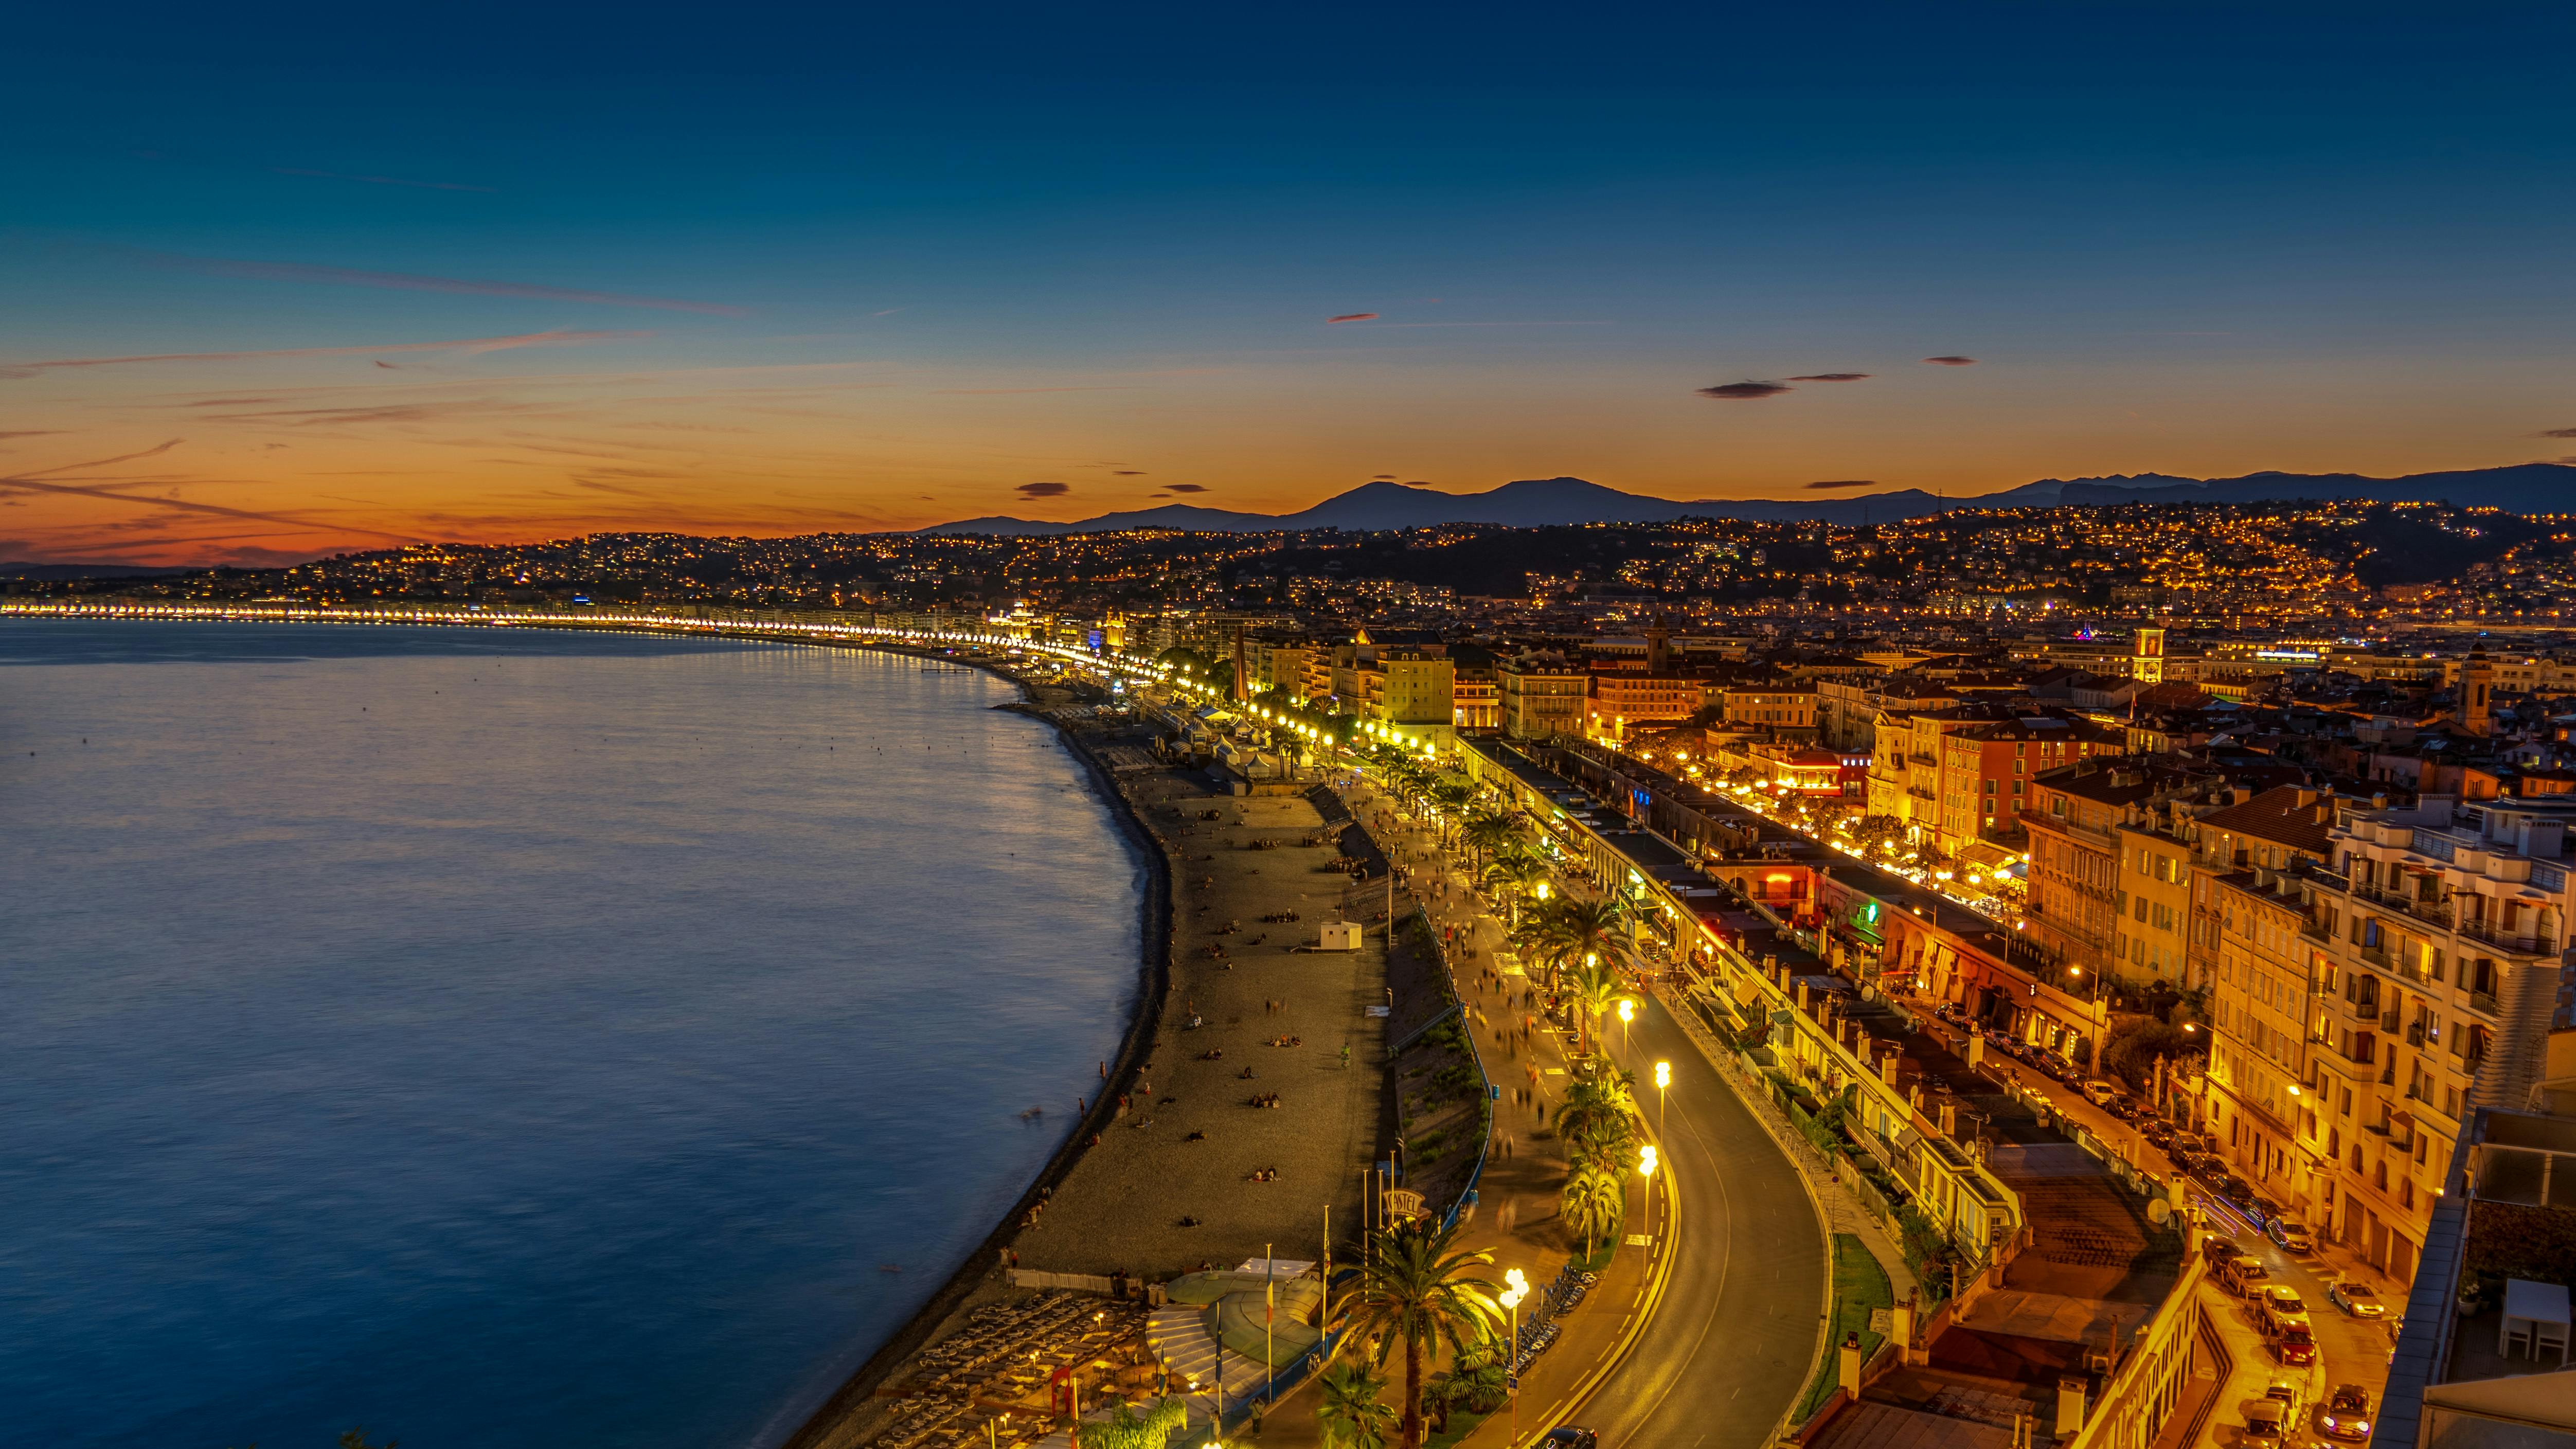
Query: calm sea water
(511, 1039)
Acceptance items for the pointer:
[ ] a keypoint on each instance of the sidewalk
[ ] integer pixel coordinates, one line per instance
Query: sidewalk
(1516, 1217)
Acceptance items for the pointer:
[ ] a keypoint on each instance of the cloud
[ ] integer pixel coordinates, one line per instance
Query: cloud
(378, 180)
(37, 482)
(1952, 361)
(411, 412)
(998, 391)
(1831, 377)
(407, 282)
(1846, 483)
(1188, 488)
(1352, 317)
(2545, 433)
(1383, 478)
(1745, 391)
(1131, 473)
(469, 344)
(31, 433)
(1045, 490)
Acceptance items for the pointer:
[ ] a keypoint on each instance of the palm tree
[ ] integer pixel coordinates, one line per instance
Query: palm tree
(1488, 833)
(1417, 1288)
(1572, 930)
(1598, 1118)
(1354, 1413)
(1595, 988)
(1514, 876)
(1595, 1198)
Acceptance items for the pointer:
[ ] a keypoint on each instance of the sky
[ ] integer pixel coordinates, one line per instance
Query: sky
(281, 281)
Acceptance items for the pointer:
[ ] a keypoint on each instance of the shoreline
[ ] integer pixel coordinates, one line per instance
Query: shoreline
(1154, 985)
(828, 1424)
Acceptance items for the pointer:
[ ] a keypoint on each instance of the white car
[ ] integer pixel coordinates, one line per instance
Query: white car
(2099, 1092)
(2357, 1299)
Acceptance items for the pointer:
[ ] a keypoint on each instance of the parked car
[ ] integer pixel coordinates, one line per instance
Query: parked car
(2275, 1304)
(1570, 1437)
(2267, 1420)
(2292, 1235)
(2099, 1092)
(2296, 1344)
(2262, 1210)
(2217, 1250)
(2347, 1414)
(2243, 1274)
(2358, 1299)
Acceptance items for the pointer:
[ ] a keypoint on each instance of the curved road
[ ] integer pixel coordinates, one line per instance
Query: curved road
(1731, 1346)
(1734, 1340)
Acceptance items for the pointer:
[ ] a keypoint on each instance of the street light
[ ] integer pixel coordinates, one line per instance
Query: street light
(1627, 1015)
(1663, 1079)
(1646, 1170)
(1515, 1288)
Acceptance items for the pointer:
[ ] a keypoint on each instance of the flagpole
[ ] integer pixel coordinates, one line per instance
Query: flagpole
(1269, 1310)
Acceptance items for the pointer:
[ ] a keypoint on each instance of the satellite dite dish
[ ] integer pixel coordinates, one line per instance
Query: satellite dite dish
(2159, 1212)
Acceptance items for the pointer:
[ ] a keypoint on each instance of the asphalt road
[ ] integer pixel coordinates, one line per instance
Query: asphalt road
(1730, 1349)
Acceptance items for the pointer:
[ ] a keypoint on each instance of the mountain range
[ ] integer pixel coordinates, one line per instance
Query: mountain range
(1542, 502)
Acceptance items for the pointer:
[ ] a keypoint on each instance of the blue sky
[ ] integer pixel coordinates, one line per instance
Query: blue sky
(491, 272)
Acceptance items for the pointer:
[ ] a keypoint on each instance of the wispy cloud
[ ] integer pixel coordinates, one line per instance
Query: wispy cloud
(1745, 391)
(378, 180)
(47, 480)
(1000, 391)
(1186, 488)
(31, 433)
(2544, 433)
(1352, 317)
(407, 282)
(1131, 473)
(467, 344)
(1832, 377)
(1846, 483)
(410, 412)
(1952, 361)
(1045, 490)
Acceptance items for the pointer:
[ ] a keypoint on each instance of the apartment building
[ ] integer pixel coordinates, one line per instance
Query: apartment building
(1776, 708)
(1475, 699)
(1538, 696)
(1415, 687)
(1986, 772)
(2100, 848)
(1624, 700)
(2438, 937)
(1905, 765)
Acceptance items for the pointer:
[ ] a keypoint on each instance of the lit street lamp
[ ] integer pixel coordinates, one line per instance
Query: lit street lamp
(1627, 1016)
(1646, 1170)
(1663, 1079)
(1516, 1288)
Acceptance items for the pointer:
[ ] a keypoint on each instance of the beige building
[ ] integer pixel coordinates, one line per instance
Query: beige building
(1539, 696)
(2438, 939)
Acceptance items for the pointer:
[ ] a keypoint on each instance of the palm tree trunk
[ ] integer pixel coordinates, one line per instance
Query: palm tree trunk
(1410, 1436)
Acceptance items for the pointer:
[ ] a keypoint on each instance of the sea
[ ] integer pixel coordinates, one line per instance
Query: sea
(501, 1038)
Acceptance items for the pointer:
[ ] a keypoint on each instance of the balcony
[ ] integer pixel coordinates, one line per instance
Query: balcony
(2520, 943)
(2316, 931)
(2376, 954)
(2484, 1001)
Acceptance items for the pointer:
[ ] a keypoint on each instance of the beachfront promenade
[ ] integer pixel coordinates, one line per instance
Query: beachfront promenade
(1738, 1323)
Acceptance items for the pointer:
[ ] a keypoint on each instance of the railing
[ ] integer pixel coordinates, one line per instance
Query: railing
(2483, 1001)
(2316, 930)
(2521, 943)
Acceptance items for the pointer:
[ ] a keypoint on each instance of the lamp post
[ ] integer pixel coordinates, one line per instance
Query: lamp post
(1663, 1079)
(1646, 1170)
(1627, 1016)
(1515, 1288)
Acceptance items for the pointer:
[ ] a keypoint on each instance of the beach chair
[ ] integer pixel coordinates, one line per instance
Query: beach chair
(2517, 1333)
(2549, 1336)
